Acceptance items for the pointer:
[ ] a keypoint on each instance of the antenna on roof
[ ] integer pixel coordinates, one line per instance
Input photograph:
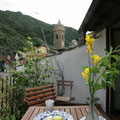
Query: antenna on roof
(44, 38)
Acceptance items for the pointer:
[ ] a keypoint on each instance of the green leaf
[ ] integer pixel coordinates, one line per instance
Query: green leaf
(95, 70)
(29, 38)
(106, 51)
(84, 67)
(86, 83)
(103, 84)
(111, 49)
(97, 87)
(110, 84)
(105, 62)
(116, 57)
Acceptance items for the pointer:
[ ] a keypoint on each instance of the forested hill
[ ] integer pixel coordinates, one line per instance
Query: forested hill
(15, 27)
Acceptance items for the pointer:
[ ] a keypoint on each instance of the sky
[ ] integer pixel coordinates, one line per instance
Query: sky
(70, 12)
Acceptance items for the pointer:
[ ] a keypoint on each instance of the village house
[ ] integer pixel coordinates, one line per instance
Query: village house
(103, 20)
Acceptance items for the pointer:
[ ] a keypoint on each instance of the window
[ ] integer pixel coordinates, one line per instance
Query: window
(62, 36)
(56, 36)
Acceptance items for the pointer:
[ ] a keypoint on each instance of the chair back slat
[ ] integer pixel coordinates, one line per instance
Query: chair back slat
(40, 102)
(39, 88)
(38, 95)
(39, 92)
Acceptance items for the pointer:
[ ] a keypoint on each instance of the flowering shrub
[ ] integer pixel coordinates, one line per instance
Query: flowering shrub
(37, 69)
(101, 71)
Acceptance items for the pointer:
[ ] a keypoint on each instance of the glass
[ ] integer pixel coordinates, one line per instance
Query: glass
(49, 105)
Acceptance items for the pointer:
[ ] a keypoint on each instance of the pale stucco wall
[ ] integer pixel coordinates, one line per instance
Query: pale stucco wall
(99, 48)
(73, 61)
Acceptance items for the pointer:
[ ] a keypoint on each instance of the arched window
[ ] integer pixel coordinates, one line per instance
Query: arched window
(62, 36)
(56, 36)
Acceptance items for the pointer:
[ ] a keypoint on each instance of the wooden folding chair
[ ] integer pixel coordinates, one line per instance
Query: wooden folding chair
(38, 95)
(62, 84)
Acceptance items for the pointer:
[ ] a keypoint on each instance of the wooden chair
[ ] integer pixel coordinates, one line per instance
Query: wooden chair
(63, 84)
(38, 95)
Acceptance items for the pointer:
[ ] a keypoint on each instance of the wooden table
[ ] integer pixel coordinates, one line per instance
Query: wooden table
(76, 111)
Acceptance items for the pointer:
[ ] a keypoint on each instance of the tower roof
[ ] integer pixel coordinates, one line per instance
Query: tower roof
(59, 23)
(59, 26)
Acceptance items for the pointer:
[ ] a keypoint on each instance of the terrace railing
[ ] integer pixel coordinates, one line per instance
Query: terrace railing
(7, 95)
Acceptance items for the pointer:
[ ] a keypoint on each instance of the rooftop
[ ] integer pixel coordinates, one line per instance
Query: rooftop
(101, 14)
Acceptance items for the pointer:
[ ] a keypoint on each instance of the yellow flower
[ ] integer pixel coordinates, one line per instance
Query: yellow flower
(86, 74)
(90, 49)
(87, 37)
(96, 59)
(89, 40)
(88, 78)
(87, 70)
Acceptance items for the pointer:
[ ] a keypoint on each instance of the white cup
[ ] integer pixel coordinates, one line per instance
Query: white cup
(49, 105)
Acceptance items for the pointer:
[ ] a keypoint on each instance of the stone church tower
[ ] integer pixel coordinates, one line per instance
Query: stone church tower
(59, 36)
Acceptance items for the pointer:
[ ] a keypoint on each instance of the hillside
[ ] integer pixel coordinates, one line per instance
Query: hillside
(15, 27)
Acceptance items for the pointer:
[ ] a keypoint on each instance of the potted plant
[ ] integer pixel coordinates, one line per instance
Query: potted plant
(100, 73)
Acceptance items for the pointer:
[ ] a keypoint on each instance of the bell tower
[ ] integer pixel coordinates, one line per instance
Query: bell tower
(59, 36)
